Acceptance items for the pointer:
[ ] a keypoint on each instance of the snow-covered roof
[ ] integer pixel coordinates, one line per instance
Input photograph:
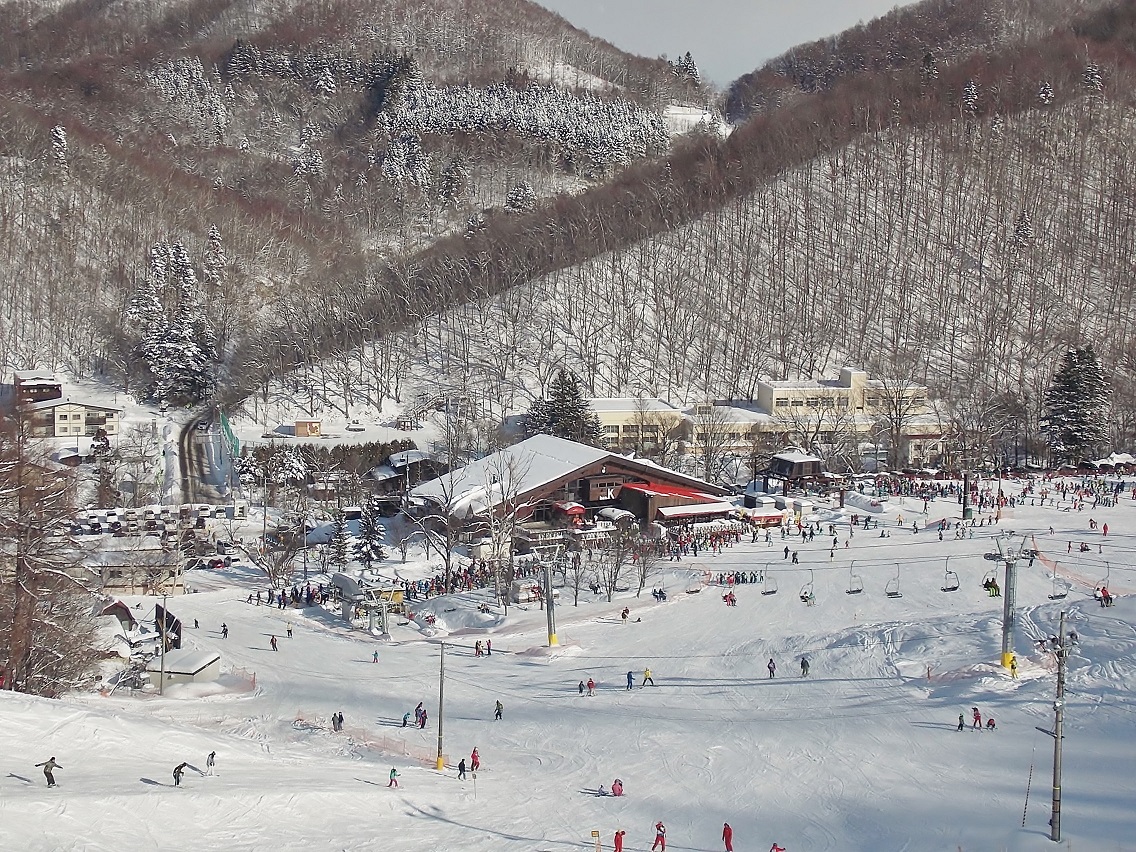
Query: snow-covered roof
(29, 377)
(183, 661)
(518, 469)
(797, 457)
(630, 403)
(731, 412)
(46, 404)
(408, 457)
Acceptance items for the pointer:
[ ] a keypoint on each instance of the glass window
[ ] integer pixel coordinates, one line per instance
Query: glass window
(781, 401)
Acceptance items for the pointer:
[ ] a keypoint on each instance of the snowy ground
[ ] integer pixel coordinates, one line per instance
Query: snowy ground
(862, 755)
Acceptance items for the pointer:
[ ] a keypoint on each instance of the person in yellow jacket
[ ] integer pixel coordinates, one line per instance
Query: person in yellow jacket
(647, 678)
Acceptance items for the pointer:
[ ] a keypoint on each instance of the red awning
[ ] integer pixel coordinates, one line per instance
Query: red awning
(568, 507)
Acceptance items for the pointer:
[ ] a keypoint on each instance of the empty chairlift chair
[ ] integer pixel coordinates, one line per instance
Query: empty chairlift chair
(891, 590)
(1061, 588)
(768, 584)
(855, 582)
(950, 581)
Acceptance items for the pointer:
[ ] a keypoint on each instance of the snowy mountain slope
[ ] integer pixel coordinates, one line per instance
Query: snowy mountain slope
(863, 754)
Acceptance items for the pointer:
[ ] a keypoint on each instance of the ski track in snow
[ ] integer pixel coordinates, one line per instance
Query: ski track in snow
(861, 755)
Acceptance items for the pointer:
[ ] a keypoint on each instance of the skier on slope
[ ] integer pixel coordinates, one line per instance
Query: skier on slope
(178, 770)
(630, 679)
(210, 762)
(976, 719)
(393, 782)
(772, 666)
(619, 840)
(728, 837)
(461, 769)
(660, 837)
(49, 767)
(497, 711)
(776, 848)
(474, 760)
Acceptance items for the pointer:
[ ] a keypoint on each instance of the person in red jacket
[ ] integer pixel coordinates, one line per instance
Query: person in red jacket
(660, 837)
(619, 840)
(728, 837)
(776, 848)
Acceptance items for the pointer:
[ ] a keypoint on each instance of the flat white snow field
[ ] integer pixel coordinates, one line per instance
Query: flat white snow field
(861, 755)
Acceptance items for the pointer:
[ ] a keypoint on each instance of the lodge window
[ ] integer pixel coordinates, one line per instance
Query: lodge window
(781, 402)
(797, 403)
(813, 402)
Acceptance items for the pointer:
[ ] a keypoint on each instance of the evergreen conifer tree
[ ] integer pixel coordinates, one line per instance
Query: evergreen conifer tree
(565, 413)
(1076, 406)
(338, 546)
(369, 545)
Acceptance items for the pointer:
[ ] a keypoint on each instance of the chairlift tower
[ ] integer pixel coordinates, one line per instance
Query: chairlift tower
(1010, 553)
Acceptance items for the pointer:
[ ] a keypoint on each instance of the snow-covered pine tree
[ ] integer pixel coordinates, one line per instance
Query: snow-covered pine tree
(521, 197)
(59, 149)
(565, 413)
(369, 546)
(338, 547)
(1076, 406)
(538, 419)
(214, 262)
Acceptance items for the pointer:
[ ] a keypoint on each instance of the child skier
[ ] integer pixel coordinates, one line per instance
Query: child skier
(660, 837)
(393, 778)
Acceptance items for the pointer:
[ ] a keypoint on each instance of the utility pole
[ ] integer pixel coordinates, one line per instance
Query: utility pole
(441, 765)
(162, 635)
(548, 609)
(1058, 724)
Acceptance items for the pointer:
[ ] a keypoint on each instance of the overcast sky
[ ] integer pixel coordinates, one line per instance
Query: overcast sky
(726, 37)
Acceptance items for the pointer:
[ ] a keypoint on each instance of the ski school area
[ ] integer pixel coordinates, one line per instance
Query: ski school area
(871, 746)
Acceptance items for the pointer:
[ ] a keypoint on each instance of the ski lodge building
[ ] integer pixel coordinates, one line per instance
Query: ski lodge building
(548, 479)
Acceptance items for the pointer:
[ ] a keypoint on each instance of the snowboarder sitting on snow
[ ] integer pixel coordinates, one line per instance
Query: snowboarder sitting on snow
(602, 791)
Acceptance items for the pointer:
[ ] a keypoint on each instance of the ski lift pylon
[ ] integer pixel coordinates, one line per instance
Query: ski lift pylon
(891, 590)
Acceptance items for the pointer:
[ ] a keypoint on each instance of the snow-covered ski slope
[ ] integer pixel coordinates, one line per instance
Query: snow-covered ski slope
(862, 755)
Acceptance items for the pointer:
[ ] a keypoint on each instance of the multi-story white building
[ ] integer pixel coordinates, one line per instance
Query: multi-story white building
(890, 420)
